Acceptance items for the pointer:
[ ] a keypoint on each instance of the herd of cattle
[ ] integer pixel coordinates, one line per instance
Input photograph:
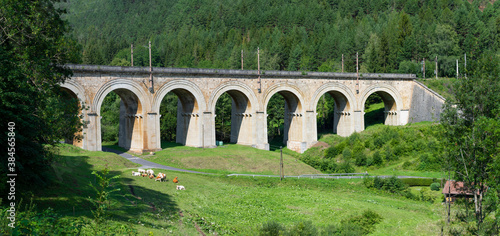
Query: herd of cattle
(160, 177)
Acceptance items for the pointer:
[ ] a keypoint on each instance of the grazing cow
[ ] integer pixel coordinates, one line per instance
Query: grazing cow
(150, 172)
(180, 187)
(136, 173)
(175, 180)
(141, 170)
(144, 175)
(161, 177)
(151, 176)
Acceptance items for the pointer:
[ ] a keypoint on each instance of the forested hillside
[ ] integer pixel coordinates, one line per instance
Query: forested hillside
(390, 36)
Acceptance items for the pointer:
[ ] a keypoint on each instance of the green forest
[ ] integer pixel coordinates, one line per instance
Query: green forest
(390, 36)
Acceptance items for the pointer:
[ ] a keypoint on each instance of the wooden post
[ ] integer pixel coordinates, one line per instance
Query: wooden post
(357, 74)
(465, 65)
(423, 64)
(258, 68)
(436, 60)
(457, 68)
(151, 89)
(342, 63)
(132, 54)
(281, 164)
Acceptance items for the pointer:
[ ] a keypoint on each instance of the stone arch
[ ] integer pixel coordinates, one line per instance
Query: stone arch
(344, 107)
(77, 90)
(233, 86)
(125, 84)
(243, 111)
(294, 121)
(392, 102)
(188, 86)
(189, 120)
(133, 133)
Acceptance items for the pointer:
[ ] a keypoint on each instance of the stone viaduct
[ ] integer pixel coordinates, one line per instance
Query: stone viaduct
(142, 91)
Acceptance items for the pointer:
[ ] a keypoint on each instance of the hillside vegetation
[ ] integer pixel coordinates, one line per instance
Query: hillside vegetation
(213, 203)
(414, 149)
(390, 36)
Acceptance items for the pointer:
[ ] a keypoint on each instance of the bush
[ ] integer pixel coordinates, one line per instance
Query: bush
(345, 167)
(303, 228)
(365, 221)
(347, 154)
(271, 228)
(377, 158)
(426, 195)
(435, 186)
(360, 159)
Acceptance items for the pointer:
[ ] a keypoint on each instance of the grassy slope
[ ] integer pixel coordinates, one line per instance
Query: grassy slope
(236, 205)
(441, 85)
(391, 167)
(227, 159)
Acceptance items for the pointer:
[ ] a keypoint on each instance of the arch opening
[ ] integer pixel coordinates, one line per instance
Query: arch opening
(379, 108)
(233, 118)
(122, 119)
(179, 121)
(70, 105)
(334, 114)
(284, 120)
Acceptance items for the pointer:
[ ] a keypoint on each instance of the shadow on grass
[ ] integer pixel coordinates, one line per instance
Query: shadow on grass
(70, 192)
(276, 142)
(169, 144)
(374, 117)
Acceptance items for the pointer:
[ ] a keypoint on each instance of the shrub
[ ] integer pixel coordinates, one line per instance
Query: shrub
(406, 165)
(360, 159)
(271, 228)
(377, 158)
(426, 195)
(347, 154)
(345, 167)
(435, 186)
(365, 221)
(303, 228)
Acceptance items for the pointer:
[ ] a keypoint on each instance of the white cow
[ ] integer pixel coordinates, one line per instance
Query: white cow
(160, 177)
(136, 173)
(150, 172)
(180, 187)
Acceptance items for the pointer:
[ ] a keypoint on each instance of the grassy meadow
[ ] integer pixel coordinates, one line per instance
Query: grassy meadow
(224, 205)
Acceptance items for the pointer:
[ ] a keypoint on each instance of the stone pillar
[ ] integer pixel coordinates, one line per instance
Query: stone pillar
(93, 134)
(404, 116)
(309, 129)
(152, 134)
(345, 124)
(296, 135)
(359, 121)
(260, 122)
(208, 129)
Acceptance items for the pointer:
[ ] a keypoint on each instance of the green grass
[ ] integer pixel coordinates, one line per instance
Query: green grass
(228, 205)
(441, 85)
(374, 115)
(229, 158)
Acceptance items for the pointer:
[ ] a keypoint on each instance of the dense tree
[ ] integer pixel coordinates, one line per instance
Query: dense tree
(472, 131)
(301, 35)
(33, 50)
